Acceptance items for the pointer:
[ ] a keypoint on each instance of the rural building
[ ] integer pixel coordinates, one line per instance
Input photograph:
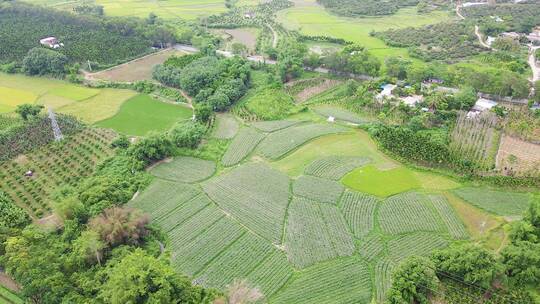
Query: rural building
(51, 42)
(411, 101)
(480, 106)
(386, 91)
(512, 35)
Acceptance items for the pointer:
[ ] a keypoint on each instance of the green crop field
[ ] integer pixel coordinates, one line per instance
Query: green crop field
(142, 114)
(497, 202)
(312, 19)
(89, 105)
(242, 145)
(382, 183)
(185, 169)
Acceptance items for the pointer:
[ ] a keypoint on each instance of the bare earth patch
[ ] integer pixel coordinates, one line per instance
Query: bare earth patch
(518, 157)
(244, 36)
(307, 93)
(136, 70)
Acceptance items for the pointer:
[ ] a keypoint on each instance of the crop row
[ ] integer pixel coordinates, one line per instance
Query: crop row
(339, 114)
(185, 169)
(420, 243)
(498, 202)
(318, 189)
(455, 226)
(370, 247)
(346, 280)
(255, 195)
(315, 232)
(242, 145)
(359, 212)
(191, 257)
(408, 212)
(335, 167)
(383, 277)
(281, 142)
(274, 125)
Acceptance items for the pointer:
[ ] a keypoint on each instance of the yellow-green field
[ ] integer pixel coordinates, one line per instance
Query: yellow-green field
(169, 9)
(90, 105)
(312, 19)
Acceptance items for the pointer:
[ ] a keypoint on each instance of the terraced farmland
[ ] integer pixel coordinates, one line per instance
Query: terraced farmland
(185, 169)
(256, 195)
(335, 167)
(281, 142)
(318, 189)
(242, 145)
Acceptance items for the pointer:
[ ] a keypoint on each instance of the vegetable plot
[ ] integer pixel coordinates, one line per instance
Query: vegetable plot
(242, 145)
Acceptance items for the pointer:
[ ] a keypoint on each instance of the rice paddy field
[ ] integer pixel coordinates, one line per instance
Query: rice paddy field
(312, 19)
(311, 212)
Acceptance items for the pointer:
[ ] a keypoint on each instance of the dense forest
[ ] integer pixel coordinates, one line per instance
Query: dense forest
(519, 17)
(97, 39)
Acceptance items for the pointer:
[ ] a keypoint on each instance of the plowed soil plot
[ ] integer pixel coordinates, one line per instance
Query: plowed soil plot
(136, 70)
(245, 36)
(518, 156)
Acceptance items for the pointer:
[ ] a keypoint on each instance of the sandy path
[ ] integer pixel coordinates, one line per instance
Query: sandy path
(275, 36)
(479, 35)
(532, 62)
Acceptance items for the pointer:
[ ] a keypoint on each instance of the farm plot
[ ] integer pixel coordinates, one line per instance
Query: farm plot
(242, 145)
(184, 211)
(279, 143)
(271, 274)
(339, 114)
(358, 209)
(74, 92)
(10, 98)
(372, 180)
(335, 167)
(162, 197)
(136, 70)
(227, 126)
(454, 225)
(342, 281)
(191, 257)
(311, 87)
(255, 195)
(408, 212)
(237, 261)
(518, 156)
(274, 125)
(371, 246)
(318, 189)
(185, 169)
(383, 277)
(315, 232)
(420, 243)
(498, 202)
(53, 166)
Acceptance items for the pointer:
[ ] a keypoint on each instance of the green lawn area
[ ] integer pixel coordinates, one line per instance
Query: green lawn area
(142, 114)
(383, 183)
(356, 143)
(74, 92)
(10, 98)
(312, 19)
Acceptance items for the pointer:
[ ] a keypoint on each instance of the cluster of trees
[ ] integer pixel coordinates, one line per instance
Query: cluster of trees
(260, 15)
(354, 8)
(441, 41)
(502, 278)
(352, 59)
(214, 82)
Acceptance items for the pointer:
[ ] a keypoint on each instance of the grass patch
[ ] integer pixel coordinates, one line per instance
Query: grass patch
(503, 203)
(269, 104)
(356, 143)
(383, 183)
(142, 114)
(11, 98)
(74, 92)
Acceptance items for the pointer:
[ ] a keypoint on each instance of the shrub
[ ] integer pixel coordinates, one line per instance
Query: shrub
(11, 215)
(41, 61)
(151, 148)
(187, 135)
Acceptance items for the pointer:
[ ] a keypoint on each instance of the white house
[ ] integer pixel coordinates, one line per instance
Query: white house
(51, 42)
(386, 92)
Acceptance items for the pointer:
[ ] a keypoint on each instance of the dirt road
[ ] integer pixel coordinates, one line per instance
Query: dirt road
(479, 35)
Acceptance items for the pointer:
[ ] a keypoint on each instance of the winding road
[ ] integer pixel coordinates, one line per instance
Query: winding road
(480, 39)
